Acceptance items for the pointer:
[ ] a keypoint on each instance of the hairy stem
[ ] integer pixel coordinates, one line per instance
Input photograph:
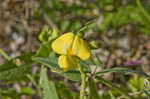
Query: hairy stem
(83, 83)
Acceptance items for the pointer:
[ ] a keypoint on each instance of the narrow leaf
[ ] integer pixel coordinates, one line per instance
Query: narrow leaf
(93, 89)
(49, 89)
(122, 70)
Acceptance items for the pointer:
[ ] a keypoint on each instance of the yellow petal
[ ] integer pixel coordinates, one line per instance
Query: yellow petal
(63, 44)
(80, 48)
(67, 62)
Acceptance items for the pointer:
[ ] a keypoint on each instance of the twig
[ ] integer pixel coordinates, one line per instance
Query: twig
(49, 21)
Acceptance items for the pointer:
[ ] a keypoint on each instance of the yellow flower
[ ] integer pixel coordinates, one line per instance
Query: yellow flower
(70, 47)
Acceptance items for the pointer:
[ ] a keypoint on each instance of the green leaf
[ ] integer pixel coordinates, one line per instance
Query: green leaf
(7, 65)
(111, 95)
(93, 89)
(121, 17)
(136, 84)
(11, 93)
(45, 50)
(26, 57)
(107, 21)
(49, 62)
(75, 26)
(15, 73)
(54, 35)
(64, 24)
(45, 34)
(64, 90)
(144, 12)
(53, 64)
(49, 89)
(27, 91)
(72, 75)
(147, 93)
(122, 70)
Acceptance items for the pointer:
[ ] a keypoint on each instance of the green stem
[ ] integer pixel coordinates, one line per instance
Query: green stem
(4, 54)
(83, 83)
(35, 84)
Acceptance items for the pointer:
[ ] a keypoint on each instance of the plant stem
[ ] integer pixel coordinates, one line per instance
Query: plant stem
(35, 84)
(83, 83)
(4, 54)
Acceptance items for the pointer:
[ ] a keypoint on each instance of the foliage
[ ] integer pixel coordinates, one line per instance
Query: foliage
(53, 82)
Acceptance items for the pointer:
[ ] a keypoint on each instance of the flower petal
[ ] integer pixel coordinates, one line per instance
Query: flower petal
(80, 48)
(63, 44)
(67, 62)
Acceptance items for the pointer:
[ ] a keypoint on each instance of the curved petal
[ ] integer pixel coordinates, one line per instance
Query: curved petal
(80, 48)
(63, 44)
(67, 62)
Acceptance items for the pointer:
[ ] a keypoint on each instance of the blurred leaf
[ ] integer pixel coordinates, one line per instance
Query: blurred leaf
(136, 84)
(121, 17)
(27, 91)
(64, 90)
(144, 12)
(93, 89)
(45, 50)
(122, 70)
(26, 57)
(75, 26)
(108, 17)
(49, 89)
(54, 34)
(72, 75)
(64, 25)
(89, 25)
(11, 93)
(147, 93)
(16, 73)
(45, 34)
(94, 45)
(111, 95)
(104, 3)
(57, 5)
(7, 65)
